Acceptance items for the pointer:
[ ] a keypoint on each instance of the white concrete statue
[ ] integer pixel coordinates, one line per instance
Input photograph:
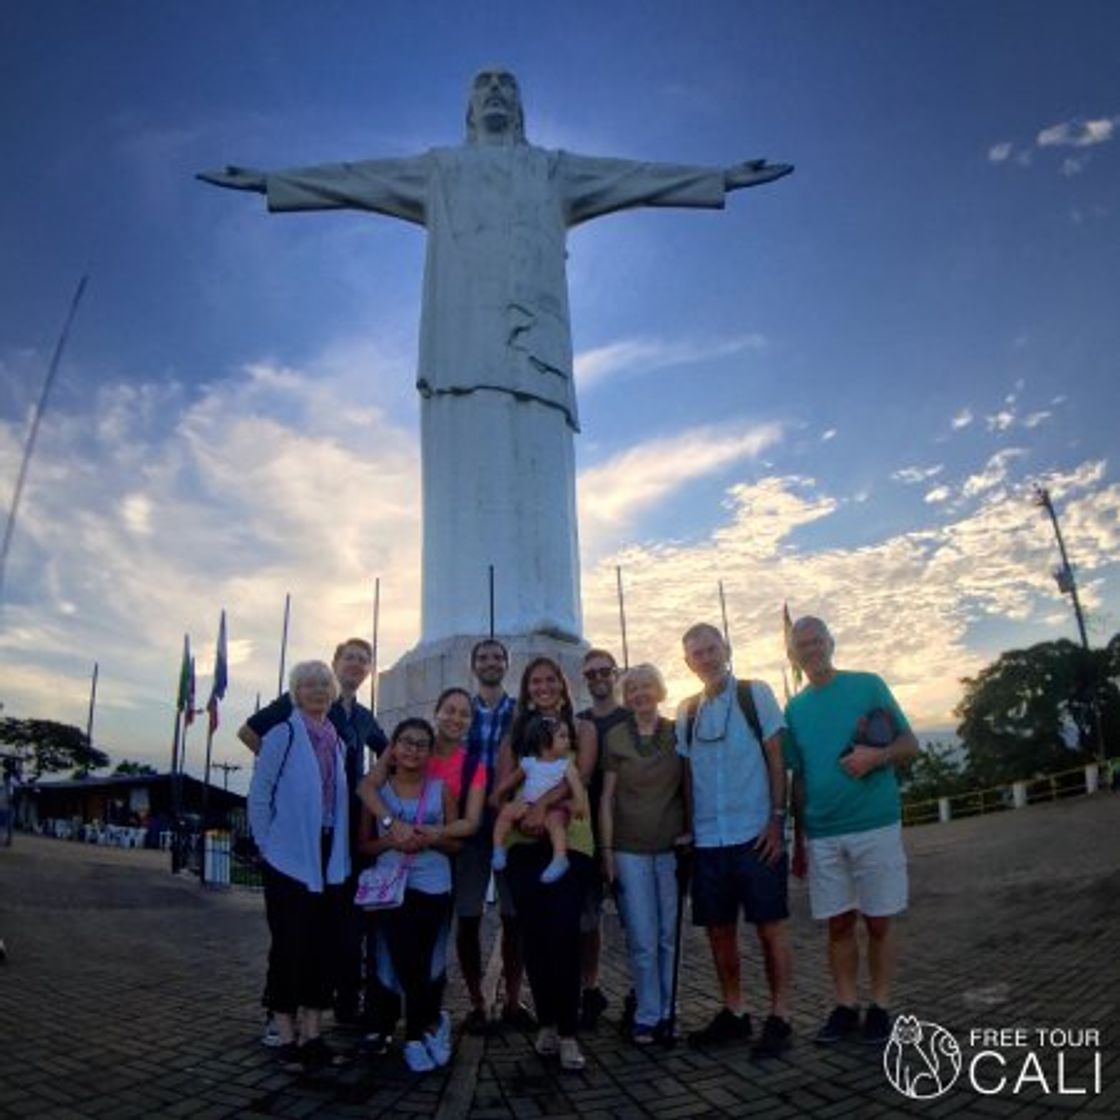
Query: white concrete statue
(495, 367)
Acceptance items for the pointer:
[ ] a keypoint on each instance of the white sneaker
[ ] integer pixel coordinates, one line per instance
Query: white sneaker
(271, 1037)
(570, 1056)
(548, 1043)
(417, 1058)
(438, 1043)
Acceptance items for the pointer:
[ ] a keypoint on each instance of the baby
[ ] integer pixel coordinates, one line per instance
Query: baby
(548, 763)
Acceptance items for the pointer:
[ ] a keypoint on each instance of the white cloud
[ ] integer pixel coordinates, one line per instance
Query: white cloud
(911, 475)
(938, 494)
(997, 153)
(1036, 418)
(1000, 421)
(1072, 166)
(146, 515)
(993, 474)
(828, 435)
(1078, 133)
(902, 605)
(645, 354)
(962, 419)
(614, 493)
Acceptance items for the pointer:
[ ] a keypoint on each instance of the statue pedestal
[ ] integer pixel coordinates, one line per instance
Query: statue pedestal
(412, 686)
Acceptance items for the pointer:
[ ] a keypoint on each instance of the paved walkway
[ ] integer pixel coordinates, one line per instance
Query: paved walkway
(130, 993)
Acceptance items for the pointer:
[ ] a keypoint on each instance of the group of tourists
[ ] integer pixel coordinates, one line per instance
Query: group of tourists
(364, 871)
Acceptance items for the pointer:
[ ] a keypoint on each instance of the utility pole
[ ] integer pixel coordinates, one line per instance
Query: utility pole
(1067, 585)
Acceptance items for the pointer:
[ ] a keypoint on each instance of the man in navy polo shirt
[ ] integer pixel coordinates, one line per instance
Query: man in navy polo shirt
(737, 790)
(358, 730)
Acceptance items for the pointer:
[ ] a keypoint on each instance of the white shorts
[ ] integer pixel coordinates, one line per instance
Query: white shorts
(864, 871)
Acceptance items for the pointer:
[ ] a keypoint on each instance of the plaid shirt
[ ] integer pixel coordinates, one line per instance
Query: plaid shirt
(488, 726)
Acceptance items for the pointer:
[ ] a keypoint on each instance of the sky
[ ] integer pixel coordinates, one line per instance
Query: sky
(835, 393)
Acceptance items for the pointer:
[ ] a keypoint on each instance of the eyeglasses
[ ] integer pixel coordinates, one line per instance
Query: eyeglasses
(701, 737)
(414, 744)
(603, 674)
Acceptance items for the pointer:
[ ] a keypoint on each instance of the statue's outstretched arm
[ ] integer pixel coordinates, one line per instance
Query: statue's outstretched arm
(753, 173)
(236, 179)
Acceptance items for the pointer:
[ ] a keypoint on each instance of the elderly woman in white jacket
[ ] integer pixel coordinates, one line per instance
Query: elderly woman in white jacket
(298, 814)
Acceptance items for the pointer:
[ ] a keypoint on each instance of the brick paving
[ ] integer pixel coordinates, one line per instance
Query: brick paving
(132, 993)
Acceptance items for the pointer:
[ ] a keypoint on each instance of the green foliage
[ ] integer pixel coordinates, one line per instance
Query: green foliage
(1018, 712)
(137, 769)
(938, 771)
(47, 746)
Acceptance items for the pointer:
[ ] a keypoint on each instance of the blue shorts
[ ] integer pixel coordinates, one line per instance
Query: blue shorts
(725, 880)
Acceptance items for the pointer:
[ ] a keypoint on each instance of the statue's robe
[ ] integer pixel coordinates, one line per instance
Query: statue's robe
(495, 360)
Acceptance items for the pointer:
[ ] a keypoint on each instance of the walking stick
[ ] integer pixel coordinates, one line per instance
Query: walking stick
(684, 873)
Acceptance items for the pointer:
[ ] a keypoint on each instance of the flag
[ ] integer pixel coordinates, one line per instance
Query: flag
(188, 716)
(221, 676)
(787, 627)
(186, 687)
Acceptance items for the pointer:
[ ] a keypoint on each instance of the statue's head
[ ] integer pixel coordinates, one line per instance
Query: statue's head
(494, 112)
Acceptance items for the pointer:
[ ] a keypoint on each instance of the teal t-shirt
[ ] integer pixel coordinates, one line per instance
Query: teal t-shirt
(820, 723)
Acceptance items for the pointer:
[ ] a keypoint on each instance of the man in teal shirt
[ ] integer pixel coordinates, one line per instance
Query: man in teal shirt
(845, 734)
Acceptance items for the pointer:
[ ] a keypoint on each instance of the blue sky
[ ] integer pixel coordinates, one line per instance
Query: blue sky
(835, 392)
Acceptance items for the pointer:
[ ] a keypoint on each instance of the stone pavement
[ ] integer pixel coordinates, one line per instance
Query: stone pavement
(132, 993)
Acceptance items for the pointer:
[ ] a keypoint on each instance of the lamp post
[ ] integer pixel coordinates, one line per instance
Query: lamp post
(1067, 585)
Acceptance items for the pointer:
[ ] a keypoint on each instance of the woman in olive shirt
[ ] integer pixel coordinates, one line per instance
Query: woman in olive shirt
(642, 816)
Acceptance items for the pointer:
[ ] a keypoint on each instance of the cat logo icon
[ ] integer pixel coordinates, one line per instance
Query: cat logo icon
(921, 1060)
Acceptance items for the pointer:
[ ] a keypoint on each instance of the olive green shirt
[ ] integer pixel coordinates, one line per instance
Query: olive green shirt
(649, 795)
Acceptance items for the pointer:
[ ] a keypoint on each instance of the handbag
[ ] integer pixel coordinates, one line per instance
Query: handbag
(382, 886)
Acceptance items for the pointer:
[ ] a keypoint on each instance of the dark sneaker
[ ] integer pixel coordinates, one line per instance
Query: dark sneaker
(876, 1026)
(519, 1018)
(842, 1023)
(725, 1027)
(594, 1004)
(288, 1057)
(776, 1036)
(315, 1055)
(375, 1043)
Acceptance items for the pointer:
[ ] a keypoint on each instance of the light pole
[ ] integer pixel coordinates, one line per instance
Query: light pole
(1067, 585)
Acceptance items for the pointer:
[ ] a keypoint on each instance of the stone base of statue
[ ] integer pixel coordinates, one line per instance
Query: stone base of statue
(412, 686)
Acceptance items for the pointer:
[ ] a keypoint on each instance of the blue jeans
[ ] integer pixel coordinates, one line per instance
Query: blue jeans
(648, 898)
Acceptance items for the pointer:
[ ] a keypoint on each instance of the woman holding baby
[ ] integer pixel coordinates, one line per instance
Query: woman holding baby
(549, 885)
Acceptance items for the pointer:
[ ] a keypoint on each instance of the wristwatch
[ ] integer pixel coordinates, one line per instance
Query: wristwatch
(386, 821)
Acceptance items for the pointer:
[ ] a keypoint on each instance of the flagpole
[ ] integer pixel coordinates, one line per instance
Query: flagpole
(32, 435)
(373, 659)
(726, 632)
(92, 703)
(182, 702)
(622, 617)
(217, 692)
(175, 792)
(491, 582)
(284, 642)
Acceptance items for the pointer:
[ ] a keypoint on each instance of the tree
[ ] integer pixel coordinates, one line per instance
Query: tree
(48, 746)
(937, 771)
(136, 769)
(1032, 711)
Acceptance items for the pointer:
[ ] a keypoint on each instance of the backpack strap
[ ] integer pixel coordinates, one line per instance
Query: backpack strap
(750, 710)
(692, 706)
